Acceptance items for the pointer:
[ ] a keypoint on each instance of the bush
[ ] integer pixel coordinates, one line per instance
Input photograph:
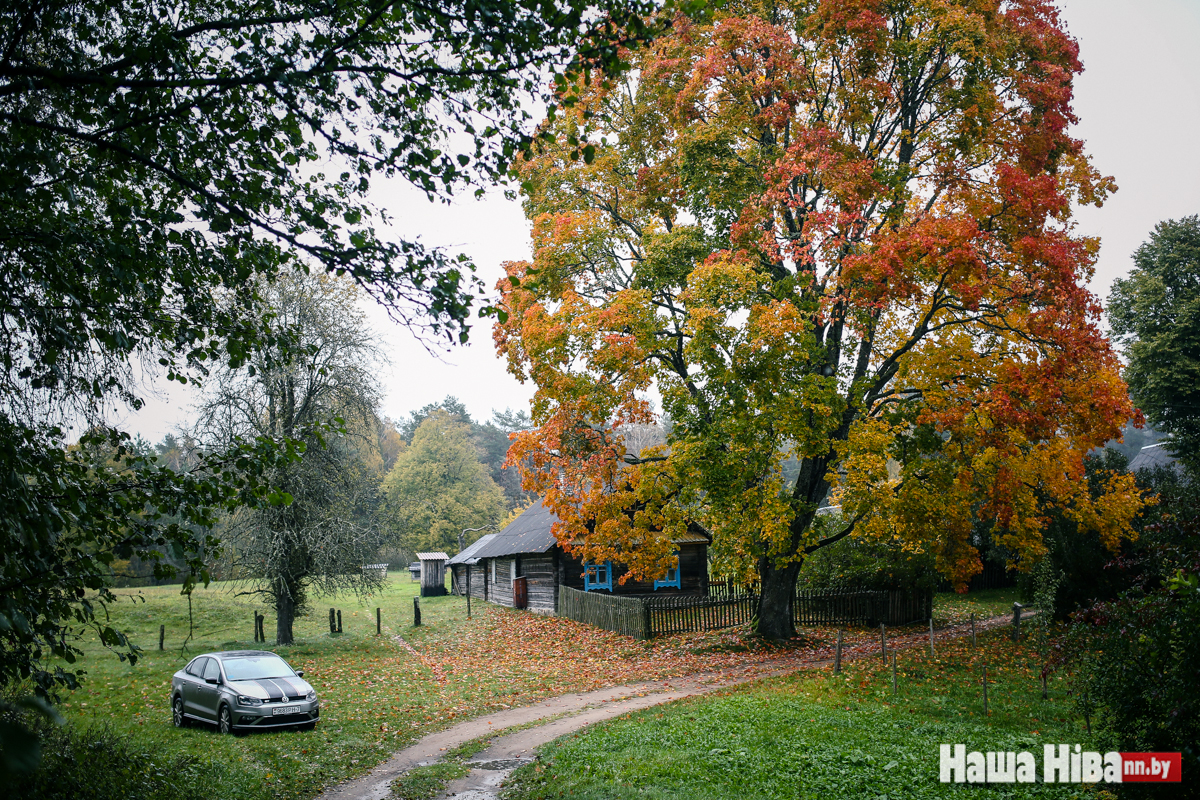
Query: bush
(1092, 573)
(1139, 655)
(863, 564)
(97, 763)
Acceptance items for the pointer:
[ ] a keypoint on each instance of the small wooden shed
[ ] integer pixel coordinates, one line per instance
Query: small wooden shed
(433, 573)
(523, 565)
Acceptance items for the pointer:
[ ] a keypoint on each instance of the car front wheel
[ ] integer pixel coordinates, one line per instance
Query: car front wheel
(177, 717)
(225, 720)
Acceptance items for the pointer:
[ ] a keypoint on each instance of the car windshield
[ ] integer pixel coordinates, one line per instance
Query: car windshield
(250, 668)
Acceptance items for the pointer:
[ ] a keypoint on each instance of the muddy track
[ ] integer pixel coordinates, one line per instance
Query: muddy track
(571, 712)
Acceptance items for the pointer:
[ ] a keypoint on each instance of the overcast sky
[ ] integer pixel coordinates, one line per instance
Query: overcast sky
(1138, 102)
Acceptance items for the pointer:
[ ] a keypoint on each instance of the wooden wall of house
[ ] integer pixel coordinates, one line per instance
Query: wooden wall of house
(538, 572)
(477, 580)
(693, 565)
(500, 591)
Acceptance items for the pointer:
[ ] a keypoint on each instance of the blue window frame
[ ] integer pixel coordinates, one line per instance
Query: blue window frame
(597, 576)
(670, 581)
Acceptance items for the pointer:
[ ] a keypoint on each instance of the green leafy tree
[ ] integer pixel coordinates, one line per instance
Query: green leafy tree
(319, 390)
(492, 441)
(154, 153)
(1156, 310)
(439, 487)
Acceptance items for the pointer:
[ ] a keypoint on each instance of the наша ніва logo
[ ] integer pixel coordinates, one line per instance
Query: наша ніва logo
(1060, 764)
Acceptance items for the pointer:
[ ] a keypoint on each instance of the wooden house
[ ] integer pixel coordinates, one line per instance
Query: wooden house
(523, 565)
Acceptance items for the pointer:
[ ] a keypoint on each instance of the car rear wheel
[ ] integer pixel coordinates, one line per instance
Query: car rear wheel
(177, 717)
(224, 720)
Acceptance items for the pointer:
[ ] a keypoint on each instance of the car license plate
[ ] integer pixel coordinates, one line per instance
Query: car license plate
(285, 710)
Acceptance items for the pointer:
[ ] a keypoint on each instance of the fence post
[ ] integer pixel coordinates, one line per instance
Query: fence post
(1016, 634)
(931, 636)
(837, 655)
(973, 642)
(883, 640)
(378, 622)
(646, 625)
(339, 617)
(416, 612)
(162, 634)
(262, 634)
(332, 622)
(894, 691)
(985, 704)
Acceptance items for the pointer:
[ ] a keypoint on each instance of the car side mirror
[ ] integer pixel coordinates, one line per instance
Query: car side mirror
(213, 681)
(299, 673)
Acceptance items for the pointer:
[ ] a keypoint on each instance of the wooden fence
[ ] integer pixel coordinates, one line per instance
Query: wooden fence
(836, 607)
(645, 617)
(627, 615)
(683, 613)
(852, 607)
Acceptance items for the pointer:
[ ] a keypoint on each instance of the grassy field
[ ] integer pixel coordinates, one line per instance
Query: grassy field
(953, 609)
(820, 735)
(375, 692)
(379, 693)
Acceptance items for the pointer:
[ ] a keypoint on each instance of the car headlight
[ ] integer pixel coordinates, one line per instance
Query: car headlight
(310, 696)
(243, 700)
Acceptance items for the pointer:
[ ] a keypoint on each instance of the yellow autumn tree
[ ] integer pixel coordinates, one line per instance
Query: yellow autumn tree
(835, 239)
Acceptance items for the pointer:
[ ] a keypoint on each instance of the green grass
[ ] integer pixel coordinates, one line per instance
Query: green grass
(821, 736)
(376, 695)
(952, 609)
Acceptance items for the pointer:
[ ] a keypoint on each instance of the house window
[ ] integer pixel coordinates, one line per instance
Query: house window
(597, 576)
(671, 580)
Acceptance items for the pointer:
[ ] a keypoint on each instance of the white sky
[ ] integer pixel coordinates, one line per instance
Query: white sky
(1138, 101)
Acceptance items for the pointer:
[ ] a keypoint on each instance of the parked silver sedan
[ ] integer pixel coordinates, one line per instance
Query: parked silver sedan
(243, 690)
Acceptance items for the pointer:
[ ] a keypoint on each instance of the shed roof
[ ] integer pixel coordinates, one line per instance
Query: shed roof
(432, 556)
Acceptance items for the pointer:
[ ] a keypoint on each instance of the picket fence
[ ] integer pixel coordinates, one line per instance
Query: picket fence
(646, 617)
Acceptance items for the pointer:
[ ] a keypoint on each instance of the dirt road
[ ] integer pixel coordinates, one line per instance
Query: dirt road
(571, 712)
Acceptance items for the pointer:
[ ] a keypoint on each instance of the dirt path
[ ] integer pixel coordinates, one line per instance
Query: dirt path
(571, 712)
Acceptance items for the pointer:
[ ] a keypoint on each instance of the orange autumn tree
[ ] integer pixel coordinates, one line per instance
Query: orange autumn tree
(834, 239)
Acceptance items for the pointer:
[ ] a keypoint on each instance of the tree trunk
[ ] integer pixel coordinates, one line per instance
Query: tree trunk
(285, 611)
(775, 600)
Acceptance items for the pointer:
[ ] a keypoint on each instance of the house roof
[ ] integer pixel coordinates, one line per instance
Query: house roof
(467, 556)
(1153, 455)
(432, 556)
(531, 534)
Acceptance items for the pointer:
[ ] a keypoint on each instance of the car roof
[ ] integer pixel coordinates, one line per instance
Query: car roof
(239, 654)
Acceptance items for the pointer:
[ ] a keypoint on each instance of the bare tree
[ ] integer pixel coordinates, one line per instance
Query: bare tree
(316, 385)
